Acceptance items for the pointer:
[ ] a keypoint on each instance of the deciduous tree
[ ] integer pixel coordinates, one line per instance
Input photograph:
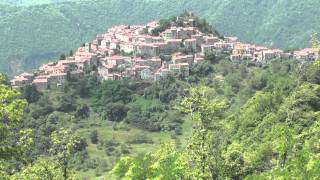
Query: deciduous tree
(64, 145)
(14, 142)
(206, 115)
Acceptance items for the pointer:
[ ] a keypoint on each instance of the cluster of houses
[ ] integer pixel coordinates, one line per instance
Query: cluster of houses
(262, 54)
(54, 74)
(307, 54)
(131, 51)
(255, 53)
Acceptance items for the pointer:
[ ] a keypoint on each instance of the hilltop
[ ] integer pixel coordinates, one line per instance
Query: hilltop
(171, 99)
(32, 35)
(152, 52)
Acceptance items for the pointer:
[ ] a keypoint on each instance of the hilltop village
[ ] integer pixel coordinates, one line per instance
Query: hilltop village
(136, 51)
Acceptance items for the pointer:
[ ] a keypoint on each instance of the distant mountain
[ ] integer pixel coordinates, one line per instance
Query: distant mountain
(31, 35)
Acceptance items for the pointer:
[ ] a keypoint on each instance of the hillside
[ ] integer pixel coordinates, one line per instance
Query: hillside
(126, 109)
(269, 127)
(32, 35)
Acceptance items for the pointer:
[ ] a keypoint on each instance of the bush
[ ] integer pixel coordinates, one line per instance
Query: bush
(66, 103)
(125, 149)
(116, 111)
(202, 69)
(82, 111)
(94, 137)
(31, 94)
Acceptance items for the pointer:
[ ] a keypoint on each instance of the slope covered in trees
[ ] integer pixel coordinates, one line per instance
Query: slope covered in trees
(32, 35)
(273, 135)
(227, 120)
(245, 121)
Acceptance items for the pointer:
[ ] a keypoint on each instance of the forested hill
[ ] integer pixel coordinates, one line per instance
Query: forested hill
(228, 119)
(248, 122)
(31, 35)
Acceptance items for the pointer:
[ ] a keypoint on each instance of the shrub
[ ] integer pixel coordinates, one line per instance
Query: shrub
(94, 137)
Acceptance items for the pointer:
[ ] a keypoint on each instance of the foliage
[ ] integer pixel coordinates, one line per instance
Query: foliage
(42, 169)
(244, 121)
(94, 137)
(15, 142)
(116, 111)
(165, 164)
(206, 115)
(64, 145)
(82, 112)
(270, 129)
(151, 115)
(163, 25)
(31, 94)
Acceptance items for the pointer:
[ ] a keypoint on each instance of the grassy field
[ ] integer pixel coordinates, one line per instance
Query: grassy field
(121, 133)
(124, 135)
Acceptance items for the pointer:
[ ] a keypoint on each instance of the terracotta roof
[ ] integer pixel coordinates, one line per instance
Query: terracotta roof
(20, 78)
(153, 24)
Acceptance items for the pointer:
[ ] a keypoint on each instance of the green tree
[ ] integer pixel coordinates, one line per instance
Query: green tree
(206, 115)
(313, 74)
(303, 162)
(82, 111)
(116, 111)
(284, 142)
(64, 145)
(202, 69)
(31, 94)
(133, 168)
(66, 103)
(83, 88)
(163, 25)
(44, 168)
(169, 163)
(212, 58)
(14, 141)
(94, 137)
(62, 56)
(165, 164)
(234, 161)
